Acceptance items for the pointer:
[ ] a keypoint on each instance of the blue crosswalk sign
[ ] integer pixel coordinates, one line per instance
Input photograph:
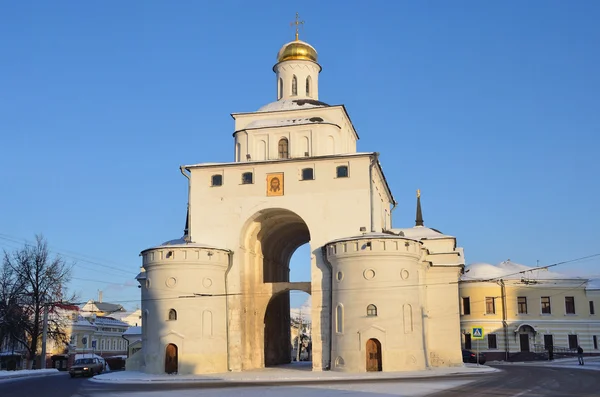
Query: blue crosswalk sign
(477, 333)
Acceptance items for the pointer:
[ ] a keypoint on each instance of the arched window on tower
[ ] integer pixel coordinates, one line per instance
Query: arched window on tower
(280, 89)
(172, 314)
(294, 86)
(371, 310)
(308, 86)
(284, 152)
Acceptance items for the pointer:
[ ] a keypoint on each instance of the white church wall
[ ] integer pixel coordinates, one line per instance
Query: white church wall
(442, 316)
(190, 281)
(325, 202)
(301, 70)
(384, 273)
(336, 127)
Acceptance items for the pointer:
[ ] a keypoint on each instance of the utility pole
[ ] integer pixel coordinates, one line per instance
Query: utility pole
(44, 336)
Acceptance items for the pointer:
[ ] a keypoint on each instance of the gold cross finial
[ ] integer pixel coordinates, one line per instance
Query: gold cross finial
(418, 193)
(297, 22)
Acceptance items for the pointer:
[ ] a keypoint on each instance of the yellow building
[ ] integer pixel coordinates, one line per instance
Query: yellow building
(524, 311)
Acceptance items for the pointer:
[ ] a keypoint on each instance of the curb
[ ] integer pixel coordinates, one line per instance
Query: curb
(216, 382)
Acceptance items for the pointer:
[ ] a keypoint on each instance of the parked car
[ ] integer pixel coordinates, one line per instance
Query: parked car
(86, 367)
(471, 357)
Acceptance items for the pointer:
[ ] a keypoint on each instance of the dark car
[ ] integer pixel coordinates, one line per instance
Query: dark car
(86, 367)
(471, 357)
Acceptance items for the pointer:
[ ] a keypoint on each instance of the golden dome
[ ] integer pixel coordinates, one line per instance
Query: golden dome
(297, 50)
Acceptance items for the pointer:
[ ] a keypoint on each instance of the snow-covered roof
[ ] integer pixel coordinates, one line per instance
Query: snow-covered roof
(133, 331)
(110, 321)
(371, 235)
(508, 270)
(594, 284)
(180, 242)
(312, 158)
(103, 307)
(284, 122)
(81, 322)
(421, 233)
(292, 104)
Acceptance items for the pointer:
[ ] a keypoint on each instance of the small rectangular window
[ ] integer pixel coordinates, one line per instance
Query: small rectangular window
(570, 305)
(466, 305)
(467, 341)
(217, 180)
(595, 338)
(308, 174)
(546, 305)
(492, 341)
(247, 178)
(573, 343)
(342, 171)
(592, 311)
(490, 305)
(522, 304)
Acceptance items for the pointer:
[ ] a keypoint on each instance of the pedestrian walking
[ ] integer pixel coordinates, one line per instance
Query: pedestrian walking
(580, 355)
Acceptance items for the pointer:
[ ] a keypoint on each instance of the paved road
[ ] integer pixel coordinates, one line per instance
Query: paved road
(531, 381)
(48, 386)
(514, 381)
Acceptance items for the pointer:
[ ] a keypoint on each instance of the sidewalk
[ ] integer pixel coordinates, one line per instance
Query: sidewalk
(28, 373)
(591, 363)
(294, 373)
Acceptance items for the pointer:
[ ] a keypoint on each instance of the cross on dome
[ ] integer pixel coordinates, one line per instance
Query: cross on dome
(297, 22)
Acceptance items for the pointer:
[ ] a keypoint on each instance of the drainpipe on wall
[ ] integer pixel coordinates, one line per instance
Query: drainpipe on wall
(123, 336)
(373, 162)
(330, 333)
(229, 265)
(504, 320)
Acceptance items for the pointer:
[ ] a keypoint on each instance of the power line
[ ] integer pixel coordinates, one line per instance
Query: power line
(82, 259)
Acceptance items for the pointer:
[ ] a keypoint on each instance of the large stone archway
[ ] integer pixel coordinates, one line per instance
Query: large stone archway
(268, 241)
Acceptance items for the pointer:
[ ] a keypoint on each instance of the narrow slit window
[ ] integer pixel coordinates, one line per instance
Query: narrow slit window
(339, 319)
(308, 174)
(284, 148)
(342, 171)
(280, 89)
(294, 86)
(247, 178)
(308, 86)
(217, 180)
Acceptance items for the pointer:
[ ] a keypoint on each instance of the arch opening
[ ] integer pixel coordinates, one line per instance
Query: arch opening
(271, 239)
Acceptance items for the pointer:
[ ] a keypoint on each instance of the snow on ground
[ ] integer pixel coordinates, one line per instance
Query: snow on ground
(399, 389)
(27, 373)
(296, 372)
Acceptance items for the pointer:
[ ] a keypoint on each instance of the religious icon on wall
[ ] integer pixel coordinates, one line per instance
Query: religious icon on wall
(275, 184)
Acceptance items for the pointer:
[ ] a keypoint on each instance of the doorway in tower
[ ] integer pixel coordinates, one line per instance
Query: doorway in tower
(373, 355)
(277, 274)
(171, 359)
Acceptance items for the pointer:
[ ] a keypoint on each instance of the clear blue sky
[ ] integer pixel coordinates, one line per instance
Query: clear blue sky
(492, 109)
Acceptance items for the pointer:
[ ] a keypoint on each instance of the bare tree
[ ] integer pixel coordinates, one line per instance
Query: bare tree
(11, 313)
(40, 281)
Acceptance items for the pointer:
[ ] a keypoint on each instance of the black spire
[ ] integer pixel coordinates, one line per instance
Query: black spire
(419, 221)
(186, 231)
